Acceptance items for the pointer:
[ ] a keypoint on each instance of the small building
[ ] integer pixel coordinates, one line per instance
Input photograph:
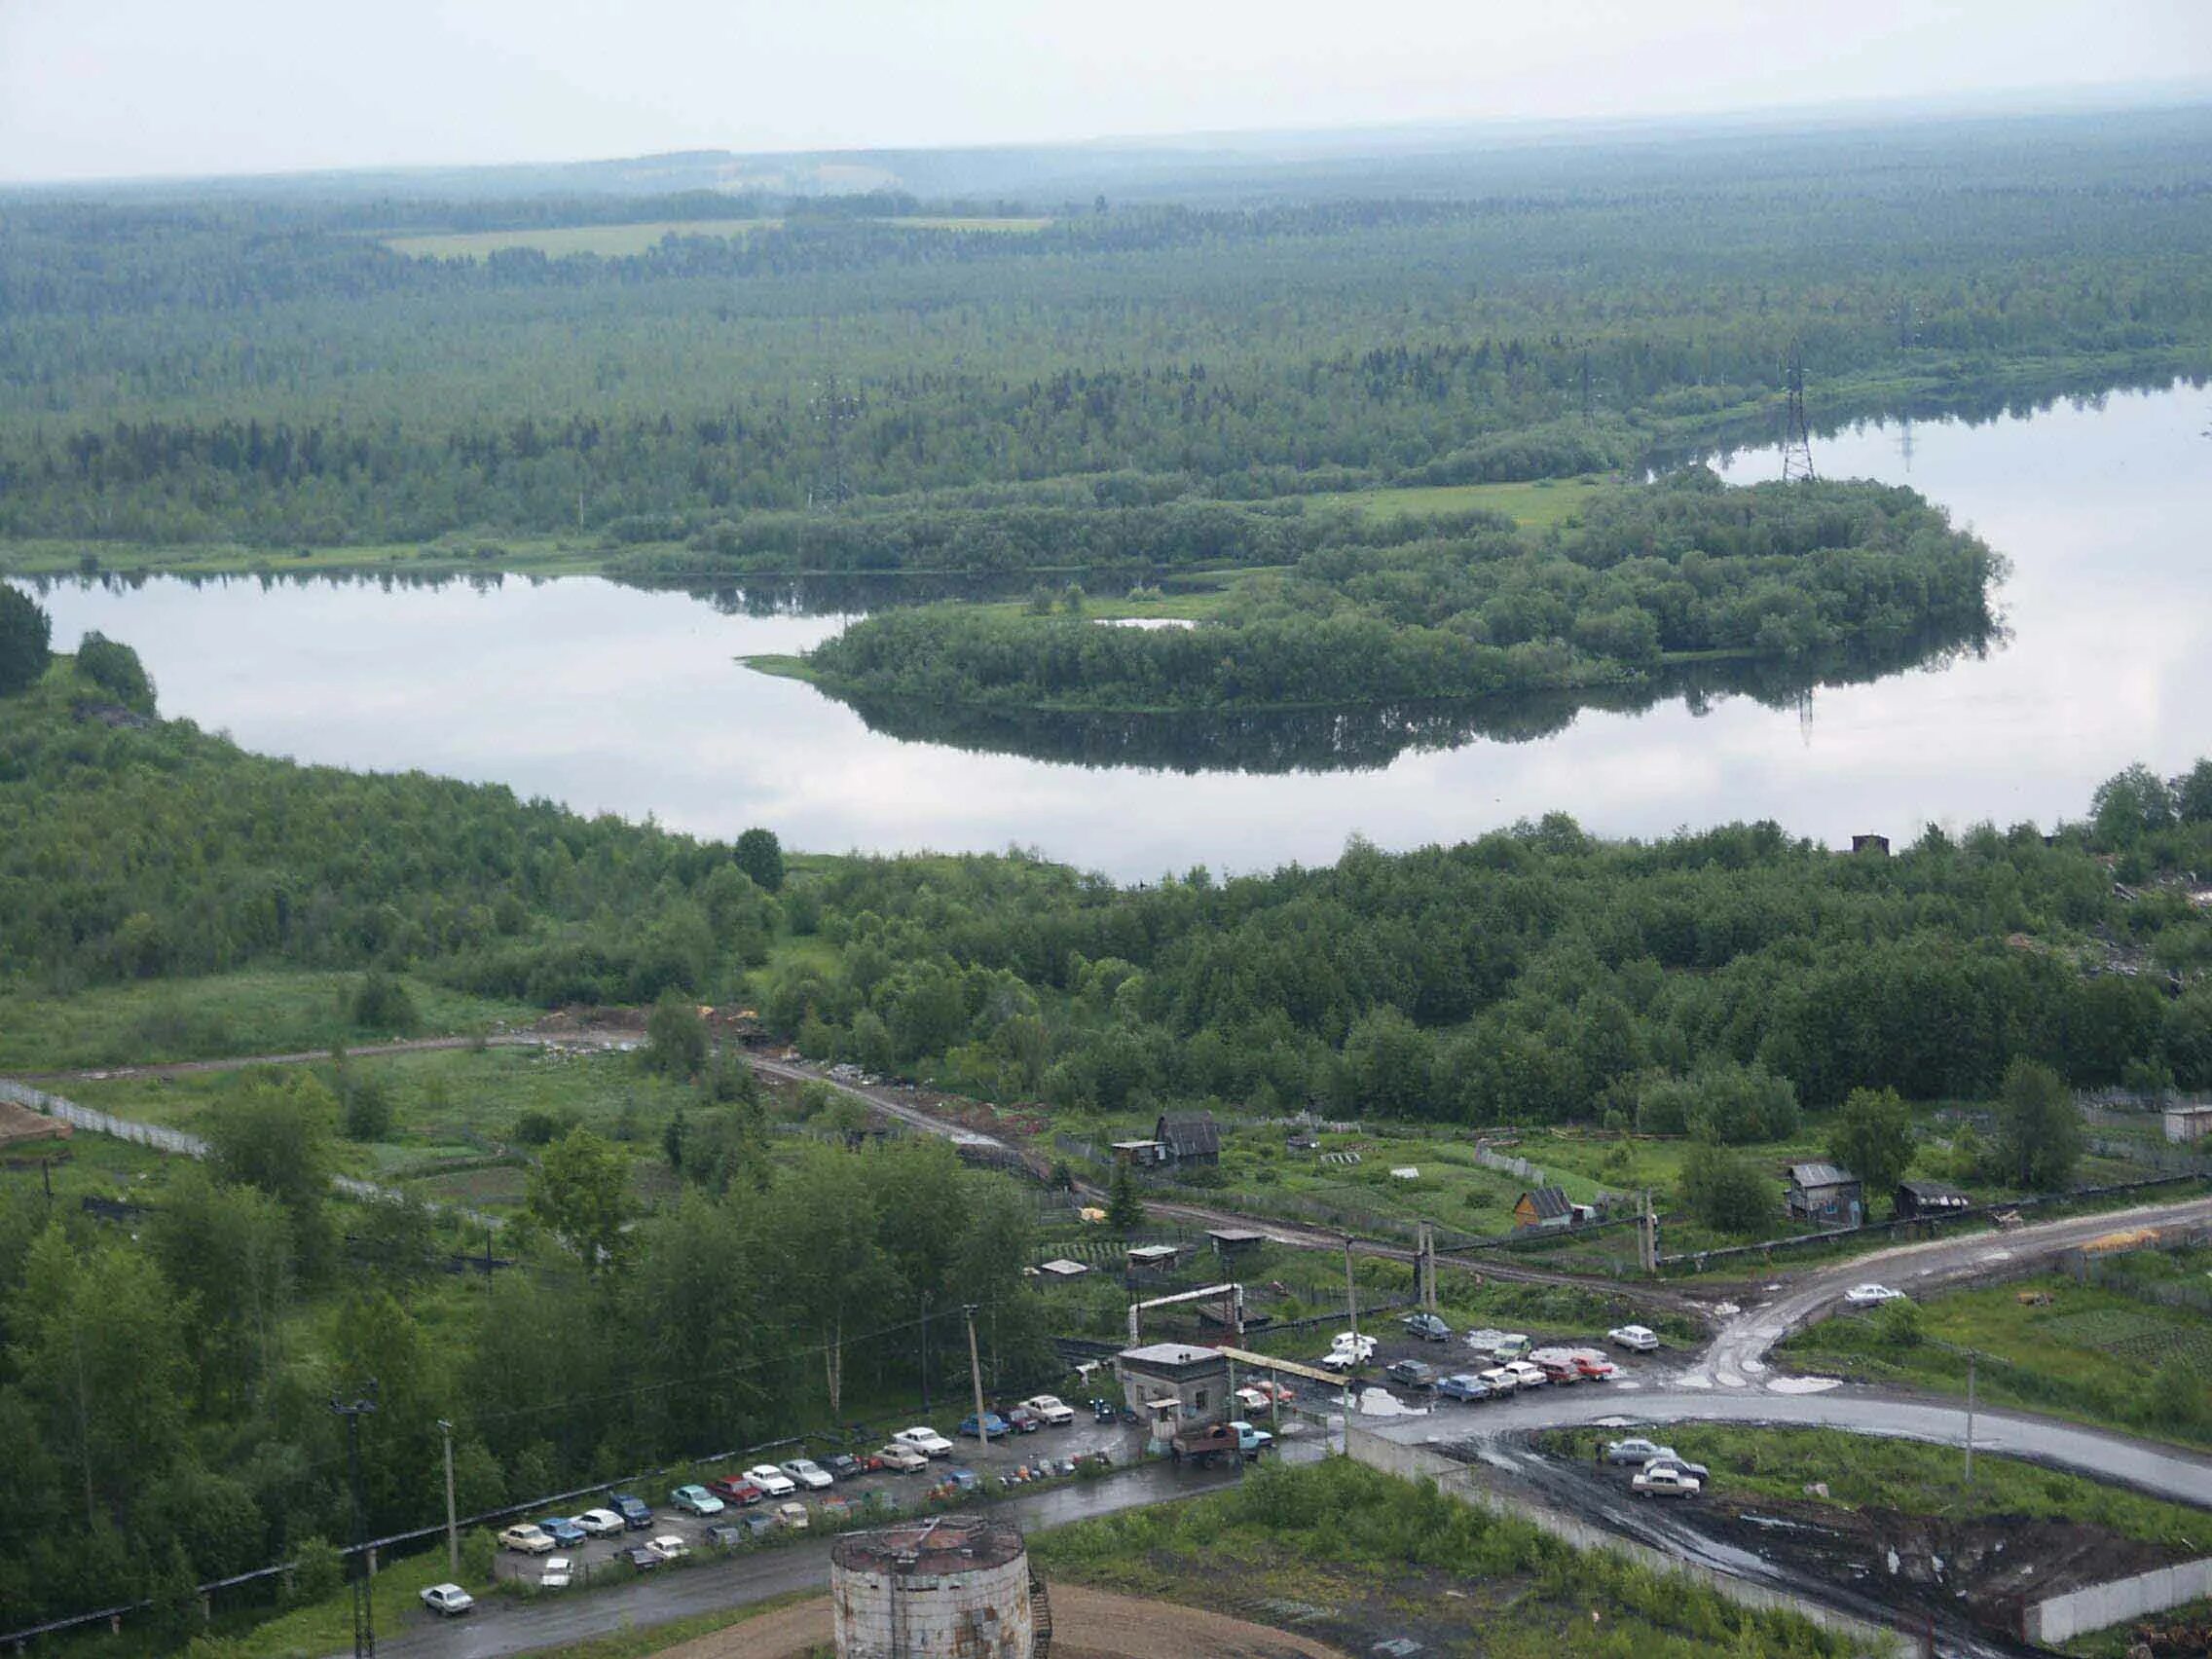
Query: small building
(2188, 1122)
(1878, 845)
(1060, 1267)
(1918, 1200)
(1154, 1258)
(1542, 1208)
(1194, 1139)
(1143, 1153)
(1174, 1384)
(1824, 1192)
(1303, 1142)
(1230, 1244)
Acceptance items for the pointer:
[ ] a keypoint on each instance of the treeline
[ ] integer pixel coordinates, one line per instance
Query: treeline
(266, 373)
(1682, 568)
(165, 1390)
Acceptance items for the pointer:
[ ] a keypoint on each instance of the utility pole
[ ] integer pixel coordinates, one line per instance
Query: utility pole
(1797, 440)
(364, 1604)
(976, 1376)
(453, 1526)
(925, 1356)
(1969, 1416)
(1351, 1290)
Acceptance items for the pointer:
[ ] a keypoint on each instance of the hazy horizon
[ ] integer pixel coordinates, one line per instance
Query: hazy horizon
(255, 88)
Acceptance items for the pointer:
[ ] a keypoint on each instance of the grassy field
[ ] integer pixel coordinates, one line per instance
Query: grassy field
(1349, 1554)
(615, 242)
(551, 555)
(1538, 506)
(1862, 1472)
(254, 1013)
(2088, 1352)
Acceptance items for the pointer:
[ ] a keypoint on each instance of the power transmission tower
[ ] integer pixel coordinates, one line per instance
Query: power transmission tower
(364, 1605)
(1797, 440)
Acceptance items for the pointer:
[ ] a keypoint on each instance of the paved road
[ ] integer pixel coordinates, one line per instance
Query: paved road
(1738, 1355)
(499, 1627)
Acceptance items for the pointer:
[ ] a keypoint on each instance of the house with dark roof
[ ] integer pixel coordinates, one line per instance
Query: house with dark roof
(1542, 1207)
(1824, 1192)
(1194, 1139)
(1917, 1200)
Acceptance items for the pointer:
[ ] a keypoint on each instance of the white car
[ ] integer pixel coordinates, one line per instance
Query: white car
(1347, 1348)
(1055, 1411)
(793, 1515)
(448, 1599)
(772, 1480)
(1665, 1481)
(528, 1537)
(600, 1523)
(669, 1547)
(1872, 1294)
(1501, 1381)
(1637, 1339)
(808, 1474)
(557, 1573)
(927, 1441)
(1526, 1375)
(901, 1458)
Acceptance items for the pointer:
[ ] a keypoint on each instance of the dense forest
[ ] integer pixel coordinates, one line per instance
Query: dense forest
(271, 371)
(1470, 609)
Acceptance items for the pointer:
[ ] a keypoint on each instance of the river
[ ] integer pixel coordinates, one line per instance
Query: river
(613, 700)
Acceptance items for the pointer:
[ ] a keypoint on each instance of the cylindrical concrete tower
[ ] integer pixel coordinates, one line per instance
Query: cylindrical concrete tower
(955, 1587)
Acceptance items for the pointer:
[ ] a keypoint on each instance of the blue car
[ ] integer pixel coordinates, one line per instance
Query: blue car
(635, 1514)
(964, 1479)
(1463, 1385)
(996, 1424)
(564, 1532)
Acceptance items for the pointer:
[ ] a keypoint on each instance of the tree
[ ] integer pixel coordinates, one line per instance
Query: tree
(2039, 1133)
(2131, 804)
(1125, 1210)
(581, 1193)
(1871, 1136)
(1386, 1065)
(227, 1250)
(365, 1110)
(760, 856)
(2193, 794)
(1727, 1190)
(114, 668)
(676, 1037)
(382, 1005)
(274, 1135)
(25, 636)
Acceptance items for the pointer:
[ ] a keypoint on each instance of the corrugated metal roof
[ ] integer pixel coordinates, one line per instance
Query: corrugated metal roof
(1821, 1175)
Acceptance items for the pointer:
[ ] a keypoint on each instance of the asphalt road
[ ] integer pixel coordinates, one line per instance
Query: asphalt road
(498, 1626)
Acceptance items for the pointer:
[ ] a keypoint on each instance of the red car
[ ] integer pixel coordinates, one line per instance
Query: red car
(1595, 1366)
(736, 1490)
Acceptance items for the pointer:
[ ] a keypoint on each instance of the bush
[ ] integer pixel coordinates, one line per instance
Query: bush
(26, 639)
(1899, 1325)
(319, 1571)
(675, 1038)
(114, 668)
(382, 1005)
(479, 1549)
(1727, 1190)
(365, 1111)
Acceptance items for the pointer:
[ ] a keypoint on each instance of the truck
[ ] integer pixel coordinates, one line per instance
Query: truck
(1206, 1442)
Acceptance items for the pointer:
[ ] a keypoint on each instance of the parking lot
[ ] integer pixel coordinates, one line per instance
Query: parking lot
(880, 1493)
(1394, 1343)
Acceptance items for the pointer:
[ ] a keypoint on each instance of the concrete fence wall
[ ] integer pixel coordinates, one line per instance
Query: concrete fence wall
(1469, 1485)
(2062, 1618)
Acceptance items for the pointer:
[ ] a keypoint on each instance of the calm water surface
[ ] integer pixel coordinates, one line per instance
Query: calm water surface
(616, 700)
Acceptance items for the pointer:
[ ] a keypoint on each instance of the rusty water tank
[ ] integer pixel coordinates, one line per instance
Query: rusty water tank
(951, 1587)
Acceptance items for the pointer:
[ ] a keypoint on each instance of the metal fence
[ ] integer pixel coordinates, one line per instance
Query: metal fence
(155, 1135)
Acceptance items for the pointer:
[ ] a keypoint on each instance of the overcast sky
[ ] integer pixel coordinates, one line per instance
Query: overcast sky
(107, 88)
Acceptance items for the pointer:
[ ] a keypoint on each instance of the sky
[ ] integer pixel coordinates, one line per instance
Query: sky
(92, 88)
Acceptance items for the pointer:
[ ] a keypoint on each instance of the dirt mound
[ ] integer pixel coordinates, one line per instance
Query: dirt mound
(1086, 1624)
(20, 1126)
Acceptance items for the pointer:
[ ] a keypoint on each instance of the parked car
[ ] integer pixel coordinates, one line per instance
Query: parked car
(563, 1530)
(1412, 1374)
(806, 1472)
(843, 1466)
(1637, 1339)
(1872, 1294)
(964, 1479)
(449, 1599)
(1463, 1385)
(670, 1547)
(724, 1535)
(1256, 1401)
(901, 1458)
(925, 1441)
(1697, 1472)
(1499, 1347)
(695, 1500)
(1501, 1381)
(600, 1523)
(771, 1480)
(1426, 1326)
(1023, 1420)
(1594, 1366)
(759, 1525)
(792, 1515)
(529, 1539)
(836, 1510)
(735, 1491)
(1635, 1450)
(1354, 1342)
(558, 1573)
(1557, 1365)
(1055, 1411)
(636, 1513)
(644, 1557)
(1525, 1374)
(1665, 1481)
(992, 1424)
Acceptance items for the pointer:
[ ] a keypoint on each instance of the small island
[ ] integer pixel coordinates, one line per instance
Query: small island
(1643, 578)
